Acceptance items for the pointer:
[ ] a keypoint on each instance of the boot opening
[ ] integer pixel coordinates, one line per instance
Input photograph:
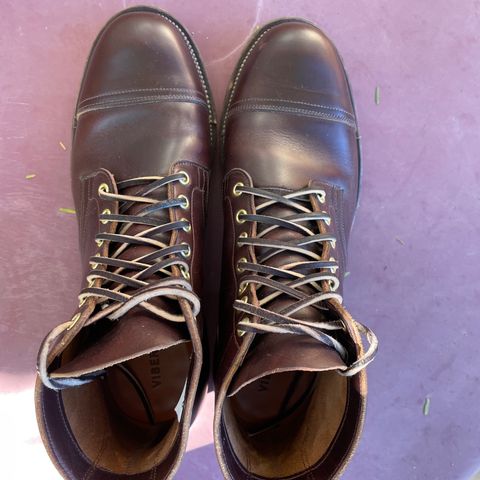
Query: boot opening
(284, 423)
(127, 420)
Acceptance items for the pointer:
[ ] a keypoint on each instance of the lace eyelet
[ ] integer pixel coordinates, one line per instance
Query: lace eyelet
(242, 289)
(239, 268)
(333, 243)
(328, 221)
(103, 188)
(99, 242)
(92, 263)
(237, 216)
(187, 228)
(185, 204)
(243, 235)
(235, 192)
(185, 273)
(188, 252)
(244, 299)
(240, 332)
(105, 212)
(74, 320)
(186, 180)
(332, 269)
(81, 301)
(322, 196)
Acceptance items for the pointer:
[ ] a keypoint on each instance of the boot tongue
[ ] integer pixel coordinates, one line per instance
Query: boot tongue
(135, 335)
(276, 353)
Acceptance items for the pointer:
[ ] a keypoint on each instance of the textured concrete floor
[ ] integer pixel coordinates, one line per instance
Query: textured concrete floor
(414, 255)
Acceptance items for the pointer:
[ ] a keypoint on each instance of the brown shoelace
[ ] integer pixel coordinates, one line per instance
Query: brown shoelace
(115, 284)
(288, 280)
(150, 275)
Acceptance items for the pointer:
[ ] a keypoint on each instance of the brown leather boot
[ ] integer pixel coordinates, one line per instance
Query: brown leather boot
(120, 382)
(291, 384)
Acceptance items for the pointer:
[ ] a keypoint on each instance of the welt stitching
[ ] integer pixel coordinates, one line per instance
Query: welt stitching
(298, 111)
(328, 107)
(138, 90)
(237, 76)
(195, 61)
(136, 102)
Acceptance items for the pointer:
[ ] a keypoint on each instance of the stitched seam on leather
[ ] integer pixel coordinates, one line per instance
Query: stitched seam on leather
(247, 474)
(139, 90)
(199, 70)
(51, 444)
(194, 57)
(237, 76)
(339, 195)
(69, 433)
(81, 214)
(297, 111)
(146, 101)
(140, 98)
(232, 262)
(193, 237)
(312, 468)
(153, 474)
(284, 100)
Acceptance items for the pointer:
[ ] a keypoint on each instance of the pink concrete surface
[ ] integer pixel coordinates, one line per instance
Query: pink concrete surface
(414, 255)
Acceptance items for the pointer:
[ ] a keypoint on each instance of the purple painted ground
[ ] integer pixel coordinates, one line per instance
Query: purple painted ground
(414, 256)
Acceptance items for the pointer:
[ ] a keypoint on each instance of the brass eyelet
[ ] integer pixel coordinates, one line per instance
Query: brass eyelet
(333, 243)
(99, 242)
(188, 252)
(185, 204)
(103, 188)
(328, 221)
(242, 289)
(186, 180)
(74, 320)
(332, 269)
(81, 301)
(185, 273)
(243, 235)
(322, 196)
(105, 212)
(240, 332)
(235, 191)
(237, 216)
(187, 228)
(239, 268)
(92, 263)
(244, 299)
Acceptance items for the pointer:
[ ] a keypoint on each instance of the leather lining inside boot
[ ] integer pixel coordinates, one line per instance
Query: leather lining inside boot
(283, 424)
(127, 420)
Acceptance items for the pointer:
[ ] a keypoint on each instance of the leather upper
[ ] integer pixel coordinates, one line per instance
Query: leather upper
(144, 110)
(289, 124)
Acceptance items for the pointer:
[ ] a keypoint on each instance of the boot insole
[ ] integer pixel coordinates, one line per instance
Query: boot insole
(148, 391)
(265, 403)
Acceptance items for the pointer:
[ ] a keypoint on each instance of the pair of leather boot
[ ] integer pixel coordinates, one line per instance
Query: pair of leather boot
(120, 383)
